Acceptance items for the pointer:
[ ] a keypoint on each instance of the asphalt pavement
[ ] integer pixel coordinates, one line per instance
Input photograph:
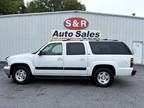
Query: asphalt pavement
(126, 92)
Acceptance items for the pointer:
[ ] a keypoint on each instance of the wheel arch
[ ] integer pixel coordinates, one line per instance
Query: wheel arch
(19, 64)
(111, 67)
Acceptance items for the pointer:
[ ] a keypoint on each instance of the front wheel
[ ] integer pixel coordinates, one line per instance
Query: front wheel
(21, 75)
(103, 77)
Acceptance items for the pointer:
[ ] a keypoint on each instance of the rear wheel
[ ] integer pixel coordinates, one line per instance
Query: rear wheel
(21, 75)
(103, 77)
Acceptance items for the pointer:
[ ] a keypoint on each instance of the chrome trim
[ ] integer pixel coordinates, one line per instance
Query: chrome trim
(6, 69)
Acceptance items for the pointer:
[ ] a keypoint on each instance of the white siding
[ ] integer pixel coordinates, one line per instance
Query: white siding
(26, 33)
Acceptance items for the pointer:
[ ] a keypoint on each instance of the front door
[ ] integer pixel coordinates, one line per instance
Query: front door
(50, 61)
(75, 59)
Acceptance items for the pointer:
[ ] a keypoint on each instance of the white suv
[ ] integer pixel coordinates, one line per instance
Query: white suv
(101, 61)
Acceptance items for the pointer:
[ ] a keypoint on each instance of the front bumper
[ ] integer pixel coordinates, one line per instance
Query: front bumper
(6, 69)
(133, 72)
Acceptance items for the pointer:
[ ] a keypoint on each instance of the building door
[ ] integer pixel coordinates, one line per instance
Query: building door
(137, 51)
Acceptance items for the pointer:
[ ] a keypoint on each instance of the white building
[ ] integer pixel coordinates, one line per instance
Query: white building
(25, 33)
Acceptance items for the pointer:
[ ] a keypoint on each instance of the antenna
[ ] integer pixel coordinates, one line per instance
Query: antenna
(133, 14)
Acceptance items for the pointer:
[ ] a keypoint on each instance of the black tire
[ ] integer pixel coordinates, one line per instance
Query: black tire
(26, 72)
(108, 76)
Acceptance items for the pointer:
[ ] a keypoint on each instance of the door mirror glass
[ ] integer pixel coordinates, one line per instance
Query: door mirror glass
(42, 53)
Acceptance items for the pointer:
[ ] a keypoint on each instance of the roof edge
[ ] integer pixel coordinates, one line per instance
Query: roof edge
(72, 11)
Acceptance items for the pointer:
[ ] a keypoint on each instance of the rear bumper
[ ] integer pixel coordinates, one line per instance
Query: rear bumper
(133, 72)
(6, 69)
(126, 72)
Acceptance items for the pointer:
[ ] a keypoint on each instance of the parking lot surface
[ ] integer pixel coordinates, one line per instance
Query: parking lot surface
(126, 92)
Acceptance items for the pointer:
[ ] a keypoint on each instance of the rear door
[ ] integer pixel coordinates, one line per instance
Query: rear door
(75, 59)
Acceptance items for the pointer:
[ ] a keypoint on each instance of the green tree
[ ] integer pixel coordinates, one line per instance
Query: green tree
(54, 5)
(11, 7)
(73, 5)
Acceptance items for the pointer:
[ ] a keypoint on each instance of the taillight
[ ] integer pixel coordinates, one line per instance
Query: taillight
(131, 62)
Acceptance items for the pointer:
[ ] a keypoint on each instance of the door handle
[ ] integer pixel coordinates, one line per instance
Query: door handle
(59, 59)
(82, 59)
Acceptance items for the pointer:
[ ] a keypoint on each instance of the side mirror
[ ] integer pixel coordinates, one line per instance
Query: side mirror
(40, 53)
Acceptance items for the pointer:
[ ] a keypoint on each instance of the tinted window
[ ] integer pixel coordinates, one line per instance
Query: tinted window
(53, 49)
(75, 49)
(109, 48)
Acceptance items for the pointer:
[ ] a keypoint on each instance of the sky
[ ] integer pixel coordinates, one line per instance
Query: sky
(120, 7)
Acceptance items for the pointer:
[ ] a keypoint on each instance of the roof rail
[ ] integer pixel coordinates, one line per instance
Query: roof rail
(110, 39)
(75, 39)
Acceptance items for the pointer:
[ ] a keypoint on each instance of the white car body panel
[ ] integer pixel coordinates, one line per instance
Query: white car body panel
(48, 61)
(119, 62)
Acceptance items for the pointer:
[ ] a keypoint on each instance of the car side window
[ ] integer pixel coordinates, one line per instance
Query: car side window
(75, 49)
(109, 48)
(53, 49)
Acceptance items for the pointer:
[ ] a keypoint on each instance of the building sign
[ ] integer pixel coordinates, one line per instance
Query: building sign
(74, 34)
(75, 29)
(76, 23)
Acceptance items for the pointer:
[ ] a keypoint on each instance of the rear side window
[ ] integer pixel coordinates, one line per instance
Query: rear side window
(109, 48)
(75, 49)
